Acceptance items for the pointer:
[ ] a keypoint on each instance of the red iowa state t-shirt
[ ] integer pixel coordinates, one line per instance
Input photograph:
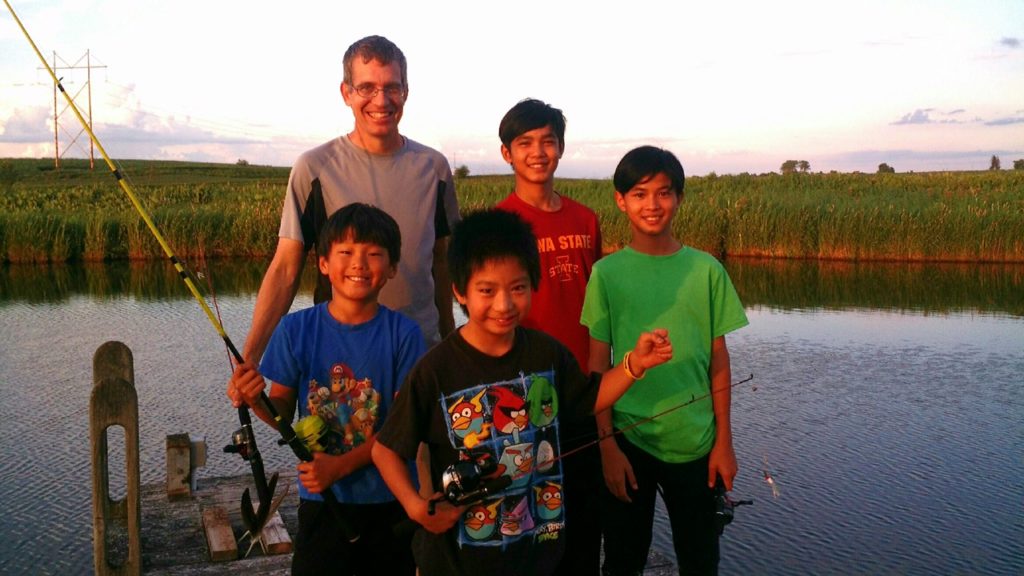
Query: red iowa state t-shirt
(569, 242)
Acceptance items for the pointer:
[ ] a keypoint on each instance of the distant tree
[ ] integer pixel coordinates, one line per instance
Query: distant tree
(804, 166)
(995, 163)
(884, 168)
(242, 162)
(1018, 164)
(789, 166)
(462, 171)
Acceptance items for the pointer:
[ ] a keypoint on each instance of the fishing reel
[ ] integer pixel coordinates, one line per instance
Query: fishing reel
(312, 431)
(725, 506)
(241, 444)
(469, 481)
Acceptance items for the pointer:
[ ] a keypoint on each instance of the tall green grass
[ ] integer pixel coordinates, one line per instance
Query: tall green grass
(210, 210)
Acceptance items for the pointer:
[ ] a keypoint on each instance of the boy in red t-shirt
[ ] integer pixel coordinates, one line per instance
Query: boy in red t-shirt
(569, 242)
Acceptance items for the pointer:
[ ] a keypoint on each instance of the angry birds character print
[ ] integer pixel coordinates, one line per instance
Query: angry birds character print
(467, 420)
(515, 517)
(545, 456)
(542, 401)
(516, 462)
(548, 500)
(508, 411)
(481, 519)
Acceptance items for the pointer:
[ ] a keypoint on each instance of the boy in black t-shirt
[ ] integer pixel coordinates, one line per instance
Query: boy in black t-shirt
(496, 394)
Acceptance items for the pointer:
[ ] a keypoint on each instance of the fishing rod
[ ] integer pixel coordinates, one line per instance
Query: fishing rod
(601, 437)
(470, 481)
(245, 439)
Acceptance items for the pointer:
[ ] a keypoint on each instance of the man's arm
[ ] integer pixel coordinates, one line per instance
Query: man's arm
(275, 297)
(442, 288)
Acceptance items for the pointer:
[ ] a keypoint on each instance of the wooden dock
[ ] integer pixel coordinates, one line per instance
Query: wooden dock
(174, 542)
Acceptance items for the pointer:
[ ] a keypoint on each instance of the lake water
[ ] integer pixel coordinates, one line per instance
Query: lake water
(888, 407)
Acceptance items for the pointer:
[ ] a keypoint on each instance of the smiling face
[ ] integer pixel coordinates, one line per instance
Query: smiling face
(650, 206)
(534, 155)
(357, 270)
(497, 298)
(376, 117)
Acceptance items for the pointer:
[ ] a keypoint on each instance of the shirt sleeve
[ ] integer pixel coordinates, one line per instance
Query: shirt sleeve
(446, 213)
(727, 312)
(279, 363)
(404, 427)
(595, 309)
(580, 390)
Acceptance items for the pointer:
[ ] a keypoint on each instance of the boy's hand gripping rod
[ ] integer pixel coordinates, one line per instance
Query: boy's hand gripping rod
(284, 428)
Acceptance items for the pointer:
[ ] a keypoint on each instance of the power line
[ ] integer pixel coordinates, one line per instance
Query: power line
(87, 87)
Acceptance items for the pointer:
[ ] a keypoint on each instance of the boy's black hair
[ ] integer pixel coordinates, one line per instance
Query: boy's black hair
(487, 235)
(376, 48)
(640, 164)
(530, 114)
(367, 224)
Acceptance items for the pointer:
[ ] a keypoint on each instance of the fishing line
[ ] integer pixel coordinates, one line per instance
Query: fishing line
(642, 421)
(600, 437)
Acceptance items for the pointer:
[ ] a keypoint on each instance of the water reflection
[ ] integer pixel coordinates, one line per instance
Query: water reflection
(888, 404)
(941, 288)
(781, 284)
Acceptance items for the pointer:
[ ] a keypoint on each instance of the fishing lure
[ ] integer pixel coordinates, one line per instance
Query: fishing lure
(769, 480)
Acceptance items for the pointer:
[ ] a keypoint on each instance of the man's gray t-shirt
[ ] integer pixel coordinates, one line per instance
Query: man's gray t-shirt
(414, 185)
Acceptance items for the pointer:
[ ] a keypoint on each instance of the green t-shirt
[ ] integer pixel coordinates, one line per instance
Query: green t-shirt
(689, 294)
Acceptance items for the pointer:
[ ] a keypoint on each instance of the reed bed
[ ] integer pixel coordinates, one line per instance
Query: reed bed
(209, 210)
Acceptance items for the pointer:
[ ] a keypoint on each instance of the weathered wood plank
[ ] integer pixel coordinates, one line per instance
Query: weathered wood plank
(219, 537)
(276, 537)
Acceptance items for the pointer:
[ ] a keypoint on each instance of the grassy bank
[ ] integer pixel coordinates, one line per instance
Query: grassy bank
(226, 210)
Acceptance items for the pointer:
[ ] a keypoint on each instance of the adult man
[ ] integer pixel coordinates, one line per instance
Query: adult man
(376, 165)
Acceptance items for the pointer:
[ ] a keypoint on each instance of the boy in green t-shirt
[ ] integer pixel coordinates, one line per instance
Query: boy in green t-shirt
(657, 281)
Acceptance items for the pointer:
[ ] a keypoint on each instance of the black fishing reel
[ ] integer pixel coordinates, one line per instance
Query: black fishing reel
(725, 507)
(241, 444)
(469, 481)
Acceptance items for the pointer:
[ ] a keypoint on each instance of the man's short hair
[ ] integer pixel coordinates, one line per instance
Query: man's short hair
(376, 48)
(640, 164)
(367, 225)
(530, 114)
(488, 235)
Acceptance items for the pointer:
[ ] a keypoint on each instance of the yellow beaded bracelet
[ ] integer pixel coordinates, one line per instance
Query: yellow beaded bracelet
(625, 367)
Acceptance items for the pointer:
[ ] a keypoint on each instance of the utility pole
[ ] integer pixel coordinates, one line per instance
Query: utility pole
(87, 87)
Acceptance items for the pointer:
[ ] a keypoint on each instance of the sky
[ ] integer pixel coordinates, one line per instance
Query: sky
(728, 86)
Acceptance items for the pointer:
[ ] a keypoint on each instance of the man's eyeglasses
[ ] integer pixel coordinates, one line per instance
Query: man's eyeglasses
(369, 91)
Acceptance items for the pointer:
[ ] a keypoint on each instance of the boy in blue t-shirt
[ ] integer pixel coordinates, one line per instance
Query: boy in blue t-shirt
(681, 453)
(499, 396)
(341, 364)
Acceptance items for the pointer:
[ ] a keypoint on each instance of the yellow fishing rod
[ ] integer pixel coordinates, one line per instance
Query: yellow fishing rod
(245, 440)
(131, 194)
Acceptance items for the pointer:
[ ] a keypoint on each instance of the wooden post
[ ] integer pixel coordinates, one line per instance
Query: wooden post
(179, 481)
(117, 544)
